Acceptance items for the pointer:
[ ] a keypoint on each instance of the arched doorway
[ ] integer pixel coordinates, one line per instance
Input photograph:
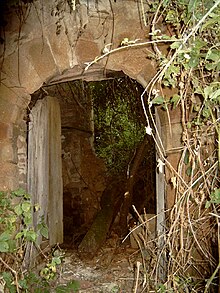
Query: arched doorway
(84, 178)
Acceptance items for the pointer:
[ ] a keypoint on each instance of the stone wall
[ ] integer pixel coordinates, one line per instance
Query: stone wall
(50, 43)
(38, 54)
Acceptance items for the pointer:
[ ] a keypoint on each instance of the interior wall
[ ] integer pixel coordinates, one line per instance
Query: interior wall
(83, 172)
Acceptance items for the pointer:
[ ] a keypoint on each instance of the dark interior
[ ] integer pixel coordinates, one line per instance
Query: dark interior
(86, 174)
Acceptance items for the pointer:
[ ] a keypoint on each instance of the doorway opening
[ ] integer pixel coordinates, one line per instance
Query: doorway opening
(102, 132)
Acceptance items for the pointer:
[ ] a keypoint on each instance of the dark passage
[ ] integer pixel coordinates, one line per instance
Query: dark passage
(105, 156)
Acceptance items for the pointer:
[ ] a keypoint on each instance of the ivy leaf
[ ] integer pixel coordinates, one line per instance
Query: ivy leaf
(208, 204)
(215, 196)
(210, 66)
(9, 282)
(159, 100)
(18, 209)
(19, 235)
(206, 112)
(198, 45)
(189, 125)
(186, 158)
(215, 95)
(175, 45)
(4, 247)
(5, 236)
(175, 100)
(31, 236)
(194, 60)
(23, 284)
(27, 218)
(12, 245)
(191, 6)
(20, 192)
(44, 232)
(213, 55)
(56, 260)
(189, 171)
(26, 206)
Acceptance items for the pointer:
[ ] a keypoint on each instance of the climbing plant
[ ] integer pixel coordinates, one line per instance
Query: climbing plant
(191, 67)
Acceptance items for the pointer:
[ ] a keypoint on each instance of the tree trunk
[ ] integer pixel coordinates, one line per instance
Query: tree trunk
(110, 205)
(128, 195)
(116, 197)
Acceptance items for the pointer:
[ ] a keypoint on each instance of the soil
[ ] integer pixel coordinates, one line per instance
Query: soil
(112, 270)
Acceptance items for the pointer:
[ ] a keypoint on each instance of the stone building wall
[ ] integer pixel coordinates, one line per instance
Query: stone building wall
(54, 45)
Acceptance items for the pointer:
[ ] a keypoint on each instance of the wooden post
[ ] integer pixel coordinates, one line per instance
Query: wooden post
(160, 210)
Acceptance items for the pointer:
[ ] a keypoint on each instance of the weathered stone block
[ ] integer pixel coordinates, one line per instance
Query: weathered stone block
(8, 183)
(6, 131)
(42, 59)
(86, 50)
(8, 111)
(62, 50)
(21, 71)
(172, 136)
(7, 152)
(19, 97)
(8, 170)
(174, 114)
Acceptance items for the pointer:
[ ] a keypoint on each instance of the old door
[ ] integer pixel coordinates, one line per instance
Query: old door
(45, 167)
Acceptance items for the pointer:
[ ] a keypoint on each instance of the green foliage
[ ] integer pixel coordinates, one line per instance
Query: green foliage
(50, 270)
(15, 220)
(214, 198)
(16, 232)
(118, 121)
(191, 66)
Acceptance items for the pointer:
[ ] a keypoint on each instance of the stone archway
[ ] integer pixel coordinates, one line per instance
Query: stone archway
(53, 47)
(42, 56)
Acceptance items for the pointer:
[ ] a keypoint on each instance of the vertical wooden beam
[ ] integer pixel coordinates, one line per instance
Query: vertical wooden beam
(45, 167)
(160, 210)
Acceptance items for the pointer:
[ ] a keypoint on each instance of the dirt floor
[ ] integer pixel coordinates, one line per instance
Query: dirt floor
(112, 270)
